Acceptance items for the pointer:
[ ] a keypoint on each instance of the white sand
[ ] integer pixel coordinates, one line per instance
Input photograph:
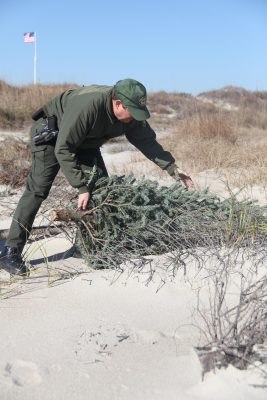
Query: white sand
(103, 336)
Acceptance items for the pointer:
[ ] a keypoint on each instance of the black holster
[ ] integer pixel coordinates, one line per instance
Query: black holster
(48, 131)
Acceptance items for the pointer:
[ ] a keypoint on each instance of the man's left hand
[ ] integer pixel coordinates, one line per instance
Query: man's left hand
(186, 180)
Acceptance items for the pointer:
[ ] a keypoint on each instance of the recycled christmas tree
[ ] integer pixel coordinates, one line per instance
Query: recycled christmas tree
(129, 218)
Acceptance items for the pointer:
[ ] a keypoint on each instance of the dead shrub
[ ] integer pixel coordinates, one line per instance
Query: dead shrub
(252, 118)
(242, 156)
(209, 125)
(14, 162)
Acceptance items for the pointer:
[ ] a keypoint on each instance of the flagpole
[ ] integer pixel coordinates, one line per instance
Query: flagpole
(35, 59)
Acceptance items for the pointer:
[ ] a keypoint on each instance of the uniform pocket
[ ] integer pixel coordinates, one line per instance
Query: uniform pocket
(38, 159)
(44, 166)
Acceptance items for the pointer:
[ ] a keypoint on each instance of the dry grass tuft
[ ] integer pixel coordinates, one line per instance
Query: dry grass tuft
(17, 103)
(209, 125)
(15, 162)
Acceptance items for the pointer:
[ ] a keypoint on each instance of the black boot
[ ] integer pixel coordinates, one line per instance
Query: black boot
(11, 261)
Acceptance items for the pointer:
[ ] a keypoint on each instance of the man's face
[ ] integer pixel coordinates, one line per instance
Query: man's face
(121, 112)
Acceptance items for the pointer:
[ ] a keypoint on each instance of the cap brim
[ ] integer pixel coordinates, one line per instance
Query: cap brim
(139, 114)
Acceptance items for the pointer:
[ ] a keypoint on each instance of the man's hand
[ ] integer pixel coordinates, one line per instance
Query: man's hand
(83, 200)
(184, 178)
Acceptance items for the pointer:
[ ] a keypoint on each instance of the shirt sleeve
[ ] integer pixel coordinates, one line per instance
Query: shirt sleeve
(75, 125)
(143, 137)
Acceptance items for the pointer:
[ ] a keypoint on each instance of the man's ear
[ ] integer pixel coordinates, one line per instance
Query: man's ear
(116, 104)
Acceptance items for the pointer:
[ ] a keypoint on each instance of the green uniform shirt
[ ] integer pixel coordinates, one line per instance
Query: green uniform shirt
(85, 121)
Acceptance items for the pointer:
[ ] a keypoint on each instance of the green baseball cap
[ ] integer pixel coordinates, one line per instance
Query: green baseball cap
(133, 96)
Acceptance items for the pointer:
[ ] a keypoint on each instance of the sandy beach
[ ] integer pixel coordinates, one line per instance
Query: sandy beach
(69, 333)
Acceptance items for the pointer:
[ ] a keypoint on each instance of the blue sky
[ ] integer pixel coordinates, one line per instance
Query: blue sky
(185, 46)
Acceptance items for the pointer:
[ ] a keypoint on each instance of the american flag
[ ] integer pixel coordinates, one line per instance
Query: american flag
(29, 37)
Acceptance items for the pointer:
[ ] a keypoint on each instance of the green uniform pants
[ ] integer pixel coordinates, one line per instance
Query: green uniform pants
(39, 181)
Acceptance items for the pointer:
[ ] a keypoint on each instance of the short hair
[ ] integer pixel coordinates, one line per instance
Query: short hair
(113, 96)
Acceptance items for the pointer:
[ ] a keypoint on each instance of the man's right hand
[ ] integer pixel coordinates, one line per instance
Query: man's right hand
(83, 200)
